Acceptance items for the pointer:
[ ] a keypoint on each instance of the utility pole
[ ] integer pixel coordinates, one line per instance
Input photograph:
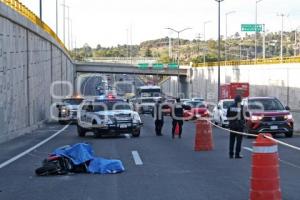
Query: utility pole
(198, 45)
(178, 54)
(219, 46)
(226, 31)
(170, 47)
(256, 2)
(204, 39)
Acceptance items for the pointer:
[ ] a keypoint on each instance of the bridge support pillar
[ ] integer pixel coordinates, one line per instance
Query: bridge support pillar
(184, 87)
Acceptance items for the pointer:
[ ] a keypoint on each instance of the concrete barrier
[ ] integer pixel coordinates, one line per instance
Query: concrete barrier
(30, 60)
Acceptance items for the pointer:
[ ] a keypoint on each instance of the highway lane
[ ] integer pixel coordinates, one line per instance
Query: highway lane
(170, 170)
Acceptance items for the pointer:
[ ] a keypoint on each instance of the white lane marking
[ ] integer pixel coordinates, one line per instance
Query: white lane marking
(137, 158)
(32, 148)
(283, 161)
(247, 148)
(290, 164)
(127, 136)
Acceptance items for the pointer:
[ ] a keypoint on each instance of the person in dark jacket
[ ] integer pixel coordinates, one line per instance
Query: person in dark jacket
(236, 123)
(177, 116)
(158, 117)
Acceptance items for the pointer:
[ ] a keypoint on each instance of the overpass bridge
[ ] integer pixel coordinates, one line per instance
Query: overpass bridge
(119, 68)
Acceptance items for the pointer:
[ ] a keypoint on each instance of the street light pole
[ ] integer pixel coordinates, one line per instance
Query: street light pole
(256, 2)
(264, 42)
(41, 10)
(226, 15)
(64, 21)
(56, 17)
(204, 39)
(281, 36)
(295, 47)
(178, 54)
(219, 46)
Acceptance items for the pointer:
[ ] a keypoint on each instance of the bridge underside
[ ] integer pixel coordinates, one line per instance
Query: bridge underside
(117, 68)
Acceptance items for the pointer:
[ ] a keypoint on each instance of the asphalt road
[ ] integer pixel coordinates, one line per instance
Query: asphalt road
(171, 168)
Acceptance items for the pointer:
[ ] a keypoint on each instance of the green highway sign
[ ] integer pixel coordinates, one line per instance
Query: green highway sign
(173, 65)
(252, 27)
(158, 66)
(143, 65)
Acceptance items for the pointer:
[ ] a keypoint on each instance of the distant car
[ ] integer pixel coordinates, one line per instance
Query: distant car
(166, 106)
(108, 116)
(220, 112)
(184, 100)
(67, 109)
(197, 99)
(267, 115)
(194, 110)
(145, 105)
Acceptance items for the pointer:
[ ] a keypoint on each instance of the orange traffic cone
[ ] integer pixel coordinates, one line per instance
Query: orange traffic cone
(177, 129)
(203, 138)
(265, 170)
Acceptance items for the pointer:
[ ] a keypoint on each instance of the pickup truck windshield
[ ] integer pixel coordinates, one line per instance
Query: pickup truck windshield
(265, 104)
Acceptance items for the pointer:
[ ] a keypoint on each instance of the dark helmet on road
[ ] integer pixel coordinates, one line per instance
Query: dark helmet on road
(238, 99)
(178, 100)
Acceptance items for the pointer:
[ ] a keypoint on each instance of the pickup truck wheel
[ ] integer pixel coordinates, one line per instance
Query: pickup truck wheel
(136, 133)
(80, 131)
(289, 134)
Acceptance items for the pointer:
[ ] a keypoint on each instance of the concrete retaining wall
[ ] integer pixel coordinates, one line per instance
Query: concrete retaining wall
(30, 60)
(280, 80)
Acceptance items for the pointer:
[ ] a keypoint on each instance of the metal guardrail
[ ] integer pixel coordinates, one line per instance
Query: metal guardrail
(23, 10)
(275, 60)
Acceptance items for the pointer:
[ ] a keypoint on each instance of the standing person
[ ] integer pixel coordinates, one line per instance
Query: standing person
(158, 117)
(236, 123)
(177, 116)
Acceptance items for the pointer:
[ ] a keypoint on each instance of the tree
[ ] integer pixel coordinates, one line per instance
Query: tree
(148, 52)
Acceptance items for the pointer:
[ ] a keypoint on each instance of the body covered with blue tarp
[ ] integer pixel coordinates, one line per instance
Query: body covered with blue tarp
(81, 153)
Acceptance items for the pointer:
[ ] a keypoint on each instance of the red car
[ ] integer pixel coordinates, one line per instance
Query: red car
(195, 109)
(166, 107)
(267, 115)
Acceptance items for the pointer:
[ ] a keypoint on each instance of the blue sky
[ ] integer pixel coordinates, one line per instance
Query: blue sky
(112, 22)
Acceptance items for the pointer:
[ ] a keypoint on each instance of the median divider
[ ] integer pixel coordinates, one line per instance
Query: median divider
(203, 137)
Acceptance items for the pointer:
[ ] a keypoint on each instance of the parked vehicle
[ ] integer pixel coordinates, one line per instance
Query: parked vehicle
(195, 109)
(67, 109)
(220, 112)
(108, 116)
(197, 99)
(230, 90)
(167, 106)
(145, 105)
(267, 115)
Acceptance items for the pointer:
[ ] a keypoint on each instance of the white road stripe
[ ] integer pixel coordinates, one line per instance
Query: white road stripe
(32, 148)
(127, 136)
(283, 161)
(247, 148)
(137, 158)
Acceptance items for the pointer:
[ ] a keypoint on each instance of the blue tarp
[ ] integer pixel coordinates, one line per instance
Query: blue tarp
(81, 153)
